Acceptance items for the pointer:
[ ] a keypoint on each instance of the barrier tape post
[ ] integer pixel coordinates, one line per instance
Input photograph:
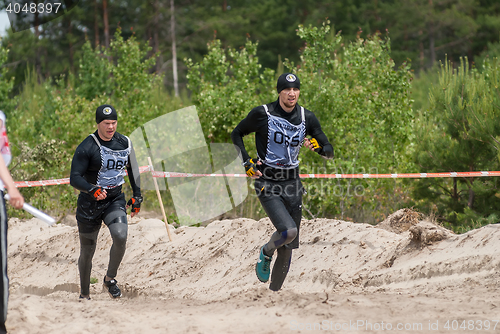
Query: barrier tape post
(151, 168)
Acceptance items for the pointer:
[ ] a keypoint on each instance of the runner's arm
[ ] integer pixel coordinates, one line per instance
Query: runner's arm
(79, 166)
(133, 173)
(248, 125)
(314, 129)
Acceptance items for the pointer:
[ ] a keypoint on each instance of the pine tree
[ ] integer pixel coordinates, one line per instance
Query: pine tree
(460, 133)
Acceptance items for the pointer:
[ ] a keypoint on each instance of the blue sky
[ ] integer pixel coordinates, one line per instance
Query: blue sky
(4, 22)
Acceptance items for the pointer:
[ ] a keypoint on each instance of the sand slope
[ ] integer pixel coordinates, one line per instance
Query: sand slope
(345, 276)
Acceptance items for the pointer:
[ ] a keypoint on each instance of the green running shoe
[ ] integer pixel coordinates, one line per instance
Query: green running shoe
(262, 268)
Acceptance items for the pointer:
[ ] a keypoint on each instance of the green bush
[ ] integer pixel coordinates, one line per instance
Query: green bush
(53, 117)
(361, 101)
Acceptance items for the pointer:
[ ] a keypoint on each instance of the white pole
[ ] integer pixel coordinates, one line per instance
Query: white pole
(151, 168)
(35, 212)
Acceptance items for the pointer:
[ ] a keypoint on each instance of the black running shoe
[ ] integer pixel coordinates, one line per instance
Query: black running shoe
(87, 298)
(113, 289)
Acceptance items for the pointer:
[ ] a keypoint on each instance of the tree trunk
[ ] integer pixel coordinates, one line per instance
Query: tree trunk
(38, 65)
(377, 14)
(96, 24)
(432, 48)
(472, 196)
(71, 51)
(106, 23)
(455, 189)
(47, 67)
(422, 57)
(174, 49)
(156, 39)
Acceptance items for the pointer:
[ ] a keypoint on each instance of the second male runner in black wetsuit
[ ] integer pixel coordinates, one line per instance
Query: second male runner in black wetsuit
(280, 130)
(98, 168)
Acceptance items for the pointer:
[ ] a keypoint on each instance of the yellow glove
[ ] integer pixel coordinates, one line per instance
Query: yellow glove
(250, 167)
(315, 144)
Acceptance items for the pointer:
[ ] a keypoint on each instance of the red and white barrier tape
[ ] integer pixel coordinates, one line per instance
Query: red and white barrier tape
(22, 184)
(345, 176)
(144, 169)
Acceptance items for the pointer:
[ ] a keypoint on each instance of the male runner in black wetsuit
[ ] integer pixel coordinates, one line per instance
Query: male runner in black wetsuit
(280, 130)
(98, 170)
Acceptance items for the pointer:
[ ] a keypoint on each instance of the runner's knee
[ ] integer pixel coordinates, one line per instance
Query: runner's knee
(88, 240)
(291, 234)
(118, 229)
(286, 237)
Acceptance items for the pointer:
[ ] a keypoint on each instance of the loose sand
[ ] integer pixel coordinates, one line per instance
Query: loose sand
(345, 277)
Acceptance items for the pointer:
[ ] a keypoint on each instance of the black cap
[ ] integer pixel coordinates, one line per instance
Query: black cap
(287, 80)
(105, 111)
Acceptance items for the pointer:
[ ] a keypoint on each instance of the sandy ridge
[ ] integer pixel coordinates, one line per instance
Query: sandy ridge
(204, 281)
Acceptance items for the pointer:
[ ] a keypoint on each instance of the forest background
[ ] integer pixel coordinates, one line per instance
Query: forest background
(398, 86)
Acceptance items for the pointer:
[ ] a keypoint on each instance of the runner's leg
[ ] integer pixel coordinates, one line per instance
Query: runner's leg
(118, 229)
(283, 205)
(279, 239)
(282, 220)
(288, 213)
(280, 268)
(293, 202)
(87, 249)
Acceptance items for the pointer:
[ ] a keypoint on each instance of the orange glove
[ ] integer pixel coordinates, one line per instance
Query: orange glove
(136, 203)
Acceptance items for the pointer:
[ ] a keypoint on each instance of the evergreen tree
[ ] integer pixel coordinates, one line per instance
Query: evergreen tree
(427, 30)
(458, 133)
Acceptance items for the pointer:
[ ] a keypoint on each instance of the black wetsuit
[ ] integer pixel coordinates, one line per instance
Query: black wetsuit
(278, 138)
(102, 165)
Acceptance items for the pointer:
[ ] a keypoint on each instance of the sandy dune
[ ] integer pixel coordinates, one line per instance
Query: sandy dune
(403, 275)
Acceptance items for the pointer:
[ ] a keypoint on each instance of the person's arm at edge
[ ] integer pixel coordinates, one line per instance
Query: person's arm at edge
(16, 199)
